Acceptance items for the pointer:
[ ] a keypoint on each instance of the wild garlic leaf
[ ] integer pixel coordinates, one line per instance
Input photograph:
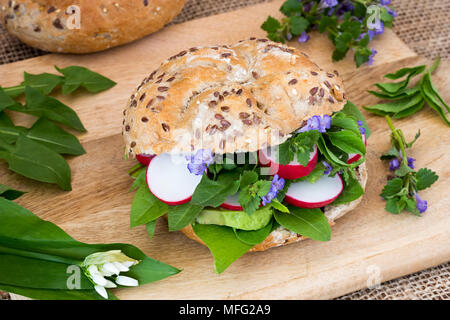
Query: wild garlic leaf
(55, 138)
(44, 82)
(425, 178)
(213, 193)
(409, 111)
(405, 71)
(146, 207)
(255, 237)
(35, 161)
(433, 99)
(25, 236)
(5, 100)
(352, 191)
(348, 141)
(182, 215)
(223, 244)
(76, 76)
(10, 193)
(150, 227)
(43, 106)
(353, 111)
(5, 121)
(396, 96)
(395, 106)
(311, 223)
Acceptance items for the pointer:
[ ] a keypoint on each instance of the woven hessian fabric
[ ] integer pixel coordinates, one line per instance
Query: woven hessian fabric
(422, 25)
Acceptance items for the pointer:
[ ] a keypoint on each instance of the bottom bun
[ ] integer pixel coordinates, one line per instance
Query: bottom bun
(281, 236)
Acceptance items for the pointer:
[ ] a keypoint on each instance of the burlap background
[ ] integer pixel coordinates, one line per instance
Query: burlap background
(422, 24)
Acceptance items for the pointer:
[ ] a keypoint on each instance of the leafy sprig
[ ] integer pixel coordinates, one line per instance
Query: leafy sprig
(401, 192)
(404, 100)
(46, 263)
(35, 152)
(346, 23)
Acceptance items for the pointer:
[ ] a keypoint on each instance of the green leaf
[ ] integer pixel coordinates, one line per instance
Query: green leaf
(76, 76)
(150, 227)
(316, 174)
(353, 27)
(410, 144)
(298, 25)
(342, 41)
(271, 25)
(255, 237)
(249, 200)
(353, 111)
(247, 178)
(405, 71)
(44, 82)
(425, 178)
(43, 106)
(403, 170)
(390, 154)
(10, 193)
(279, 206)
(223, 244)
(411, 206)
(5, 100)
(35, 161)
(435, 64)
(348, 141)
(49, 294)
(396, 106)
(182, 215)
(327, 22)
(5, 121)
(285, 154)
(394, 205)
(396, 96)
(411, 110)
(146, 207)
(41, 252)
(362, 56)
(392, 188)
(352, 191)
(311, 223)
(55, 138)
(213, 193)
(291, 6)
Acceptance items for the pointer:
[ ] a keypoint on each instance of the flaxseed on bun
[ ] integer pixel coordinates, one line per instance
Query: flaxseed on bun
(228, 99)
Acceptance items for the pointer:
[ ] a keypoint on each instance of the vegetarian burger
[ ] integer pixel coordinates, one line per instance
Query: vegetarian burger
(245, 147)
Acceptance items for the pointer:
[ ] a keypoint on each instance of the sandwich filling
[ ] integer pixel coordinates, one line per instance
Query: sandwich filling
(235, 201)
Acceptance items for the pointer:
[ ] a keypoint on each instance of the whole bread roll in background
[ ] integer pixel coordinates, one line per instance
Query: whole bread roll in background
(84, 26)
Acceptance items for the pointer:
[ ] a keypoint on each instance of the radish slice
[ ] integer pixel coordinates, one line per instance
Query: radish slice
(352, 157)
(293, 170)
(304, 194)
(169, 179)
(144, 158)
(232, 203)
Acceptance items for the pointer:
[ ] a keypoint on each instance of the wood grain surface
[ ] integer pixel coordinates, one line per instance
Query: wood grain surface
(368, 244)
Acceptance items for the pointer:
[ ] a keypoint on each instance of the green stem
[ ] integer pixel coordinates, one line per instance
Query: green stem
(399, 139)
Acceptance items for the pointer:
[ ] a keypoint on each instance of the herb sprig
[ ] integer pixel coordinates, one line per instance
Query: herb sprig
(405, 100)
(46, 263)
(401, 192)
(345, 21)
(36, 152)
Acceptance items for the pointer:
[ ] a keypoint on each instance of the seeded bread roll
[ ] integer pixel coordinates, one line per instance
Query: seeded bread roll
(51, 25)
(281, 236)
(236, 98)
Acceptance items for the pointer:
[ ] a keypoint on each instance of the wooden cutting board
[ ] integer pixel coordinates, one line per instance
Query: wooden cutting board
(367, 245)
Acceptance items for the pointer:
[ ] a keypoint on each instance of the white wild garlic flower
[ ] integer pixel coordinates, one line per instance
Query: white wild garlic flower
(100, 266)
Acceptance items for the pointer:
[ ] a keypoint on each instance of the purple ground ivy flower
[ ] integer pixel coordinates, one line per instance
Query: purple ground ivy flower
(307, 7)
(318, 123)
(328, 168)
(385, 2)
(421, 205)
(394, 164)
(304, 37)
(275, 187)
(411, 162)
(361, 127)
(328, 4)
(374, 52)
(391, 12)
(200, 161)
